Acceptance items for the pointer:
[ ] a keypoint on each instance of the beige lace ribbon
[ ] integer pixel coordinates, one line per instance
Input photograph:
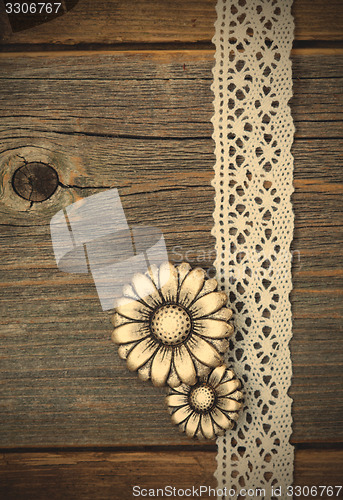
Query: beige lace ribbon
(253, 227)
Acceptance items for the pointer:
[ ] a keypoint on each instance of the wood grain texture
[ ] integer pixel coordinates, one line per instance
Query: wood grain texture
(148, 94)
(146, 21)
(140, 122)
(112, 475)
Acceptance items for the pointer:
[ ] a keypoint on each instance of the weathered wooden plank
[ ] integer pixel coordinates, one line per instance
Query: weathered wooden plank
(60, 373)
(117, 22)
(107, 474)
(177, 64)
(148, 95)
(177, 174)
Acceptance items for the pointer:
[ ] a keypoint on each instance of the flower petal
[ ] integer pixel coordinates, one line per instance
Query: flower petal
(228, 404)
(168, 280)
(217, 375)
(184, 366)
(173, 379)
(144, 372)
(228, 387)
(208, 304)
(207, 426)
(124, 349)
(146, 290)
(210, 285)
(213, 328)
(130, 332)
(129, 292)
(224, 314)
(229, 375)
(234, 416)
(191, 286)
(118, 320)
(221, 419)
(192, 424)
(176, 400)
(183, 269)
(182, 389)
(132, 309)
(181, 414)
(141, 353)
(153, 274)
(204, 351)
(160, 367)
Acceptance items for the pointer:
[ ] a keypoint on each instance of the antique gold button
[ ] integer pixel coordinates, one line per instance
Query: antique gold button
(172, 325)
(208, 408)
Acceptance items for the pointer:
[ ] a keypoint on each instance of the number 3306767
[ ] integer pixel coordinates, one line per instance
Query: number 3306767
(32, 8)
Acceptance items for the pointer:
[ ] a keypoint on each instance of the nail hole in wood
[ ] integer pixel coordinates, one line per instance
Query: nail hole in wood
(35, 181)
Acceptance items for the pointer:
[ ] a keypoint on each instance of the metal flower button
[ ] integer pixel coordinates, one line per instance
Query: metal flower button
(209, 407)
(172, 327)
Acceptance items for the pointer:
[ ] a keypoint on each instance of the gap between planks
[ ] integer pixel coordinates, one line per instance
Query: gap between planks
(72, 52)
(185, 448)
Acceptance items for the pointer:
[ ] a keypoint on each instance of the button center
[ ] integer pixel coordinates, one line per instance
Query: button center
(171, 324)
(202, 398)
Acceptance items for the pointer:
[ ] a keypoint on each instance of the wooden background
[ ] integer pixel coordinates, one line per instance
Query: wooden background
(117, 93)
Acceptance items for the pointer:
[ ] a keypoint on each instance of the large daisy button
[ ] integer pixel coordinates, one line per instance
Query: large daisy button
(172, 325)
(208, 408)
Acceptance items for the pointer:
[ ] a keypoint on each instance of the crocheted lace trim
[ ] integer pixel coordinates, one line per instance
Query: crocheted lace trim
(253, 227)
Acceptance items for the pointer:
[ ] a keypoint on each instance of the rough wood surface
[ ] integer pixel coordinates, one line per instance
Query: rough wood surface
(148, 94)
(147, 21)
(112, 475)
(142, 124)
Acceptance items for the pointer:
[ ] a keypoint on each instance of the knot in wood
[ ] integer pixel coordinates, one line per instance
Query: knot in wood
(35, 181)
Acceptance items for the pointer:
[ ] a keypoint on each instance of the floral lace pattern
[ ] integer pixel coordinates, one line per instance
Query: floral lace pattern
(253, 227)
